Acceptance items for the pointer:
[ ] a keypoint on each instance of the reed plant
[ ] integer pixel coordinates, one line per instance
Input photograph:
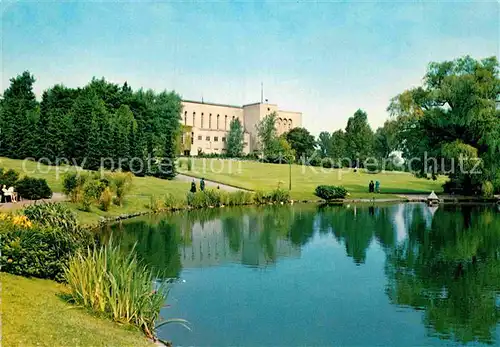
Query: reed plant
(108, 281)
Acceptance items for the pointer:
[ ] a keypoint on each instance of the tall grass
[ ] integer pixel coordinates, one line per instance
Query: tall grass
(116, 284)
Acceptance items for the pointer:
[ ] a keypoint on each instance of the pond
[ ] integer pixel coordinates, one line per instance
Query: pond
(394, 275)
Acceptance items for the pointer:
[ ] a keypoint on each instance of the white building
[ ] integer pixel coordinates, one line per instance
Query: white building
(209, 124)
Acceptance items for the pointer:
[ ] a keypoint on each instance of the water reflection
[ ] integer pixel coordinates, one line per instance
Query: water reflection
(443, 262)
(451, 271)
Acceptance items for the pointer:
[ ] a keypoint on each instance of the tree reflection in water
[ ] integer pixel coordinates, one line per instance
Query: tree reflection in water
(446, 262)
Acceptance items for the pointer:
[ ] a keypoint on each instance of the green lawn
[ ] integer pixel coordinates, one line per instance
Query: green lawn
(261, 176)
(33, 314)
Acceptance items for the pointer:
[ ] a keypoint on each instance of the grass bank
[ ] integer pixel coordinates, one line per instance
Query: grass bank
(33, 314)
(263, 176)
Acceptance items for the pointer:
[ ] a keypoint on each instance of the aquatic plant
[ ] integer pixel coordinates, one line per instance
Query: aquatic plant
(108, 281)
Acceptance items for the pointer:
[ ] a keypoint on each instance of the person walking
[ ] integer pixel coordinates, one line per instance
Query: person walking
(202, 184)
(377, 187)
(193, 187)
(371, 186)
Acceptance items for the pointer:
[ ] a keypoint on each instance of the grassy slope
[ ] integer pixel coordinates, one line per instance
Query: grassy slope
(260, 176)
(33, 314)
(137, 200)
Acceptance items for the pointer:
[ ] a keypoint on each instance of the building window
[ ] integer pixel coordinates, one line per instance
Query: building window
(207, 138)
(201, 125)
(185, 117)
(199, 137)
(192, 138)
(210, 121)
(223, 139)
(245, 144)
(217, 122)
(216, 139)
(225, 123)
(194, 119)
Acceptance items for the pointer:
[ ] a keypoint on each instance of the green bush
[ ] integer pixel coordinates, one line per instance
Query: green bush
(38, 251)
(122, 181)
(105, 199)
(275, 196)
(330, 192)
(173, 203)
(8, 178)
(33, 188)
(52, 215)
(262, 198)
(280, 196)
(116, 284)
(487, 189)
(70, 185)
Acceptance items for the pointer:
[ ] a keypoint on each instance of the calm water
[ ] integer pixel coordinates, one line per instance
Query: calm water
(397, 275)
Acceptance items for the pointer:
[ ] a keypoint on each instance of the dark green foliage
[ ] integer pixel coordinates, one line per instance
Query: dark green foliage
(54, 123)
(330, 192)
(19, 117)
(359, 138)
(301, 141)
(8, 178)
(38, 251)
(235, 139)
(455, 113)
(101, 124)
(43, 249)
(33, 188)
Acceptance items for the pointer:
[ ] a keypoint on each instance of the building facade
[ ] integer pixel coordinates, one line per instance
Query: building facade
(206, 125)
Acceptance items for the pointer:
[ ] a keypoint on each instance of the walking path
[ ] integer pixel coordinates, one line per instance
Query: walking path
(208, 184)
(10, 206)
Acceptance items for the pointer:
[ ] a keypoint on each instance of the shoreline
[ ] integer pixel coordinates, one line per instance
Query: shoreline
(445, 201)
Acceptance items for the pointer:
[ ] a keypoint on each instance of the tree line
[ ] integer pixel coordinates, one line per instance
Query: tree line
(449, 126)
(101, 123)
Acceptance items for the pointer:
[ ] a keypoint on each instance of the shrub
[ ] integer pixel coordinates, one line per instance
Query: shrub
(105, 199)
(280, 195)
(37, 251)
(70, 186)
(262, 198)
(330, 192)
(173, 203)
(189, 164)
(122, 182)
(277, 195)
(33, 188)
(52, 214)
(116, 284)
(8, 178)
(91, 192)
(487, 189)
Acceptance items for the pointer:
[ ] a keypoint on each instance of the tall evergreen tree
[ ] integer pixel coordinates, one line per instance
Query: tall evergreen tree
(54, 123)
(235, 139)
(20, 112)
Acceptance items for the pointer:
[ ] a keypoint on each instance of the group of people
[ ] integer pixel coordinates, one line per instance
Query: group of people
(374, 187)
(193, 186)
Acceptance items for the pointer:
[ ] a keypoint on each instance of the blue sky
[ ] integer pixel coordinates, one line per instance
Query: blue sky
(326, 59)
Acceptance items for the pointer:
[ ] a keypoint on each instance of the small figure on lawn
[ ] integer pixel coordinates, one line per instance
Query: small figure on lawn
(202, 184)
(377, 187)
(193, 187)
(371, 187)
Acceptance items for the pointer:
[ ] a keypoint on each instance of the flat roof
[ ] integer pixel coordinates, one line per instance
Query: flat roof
(210, 103)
